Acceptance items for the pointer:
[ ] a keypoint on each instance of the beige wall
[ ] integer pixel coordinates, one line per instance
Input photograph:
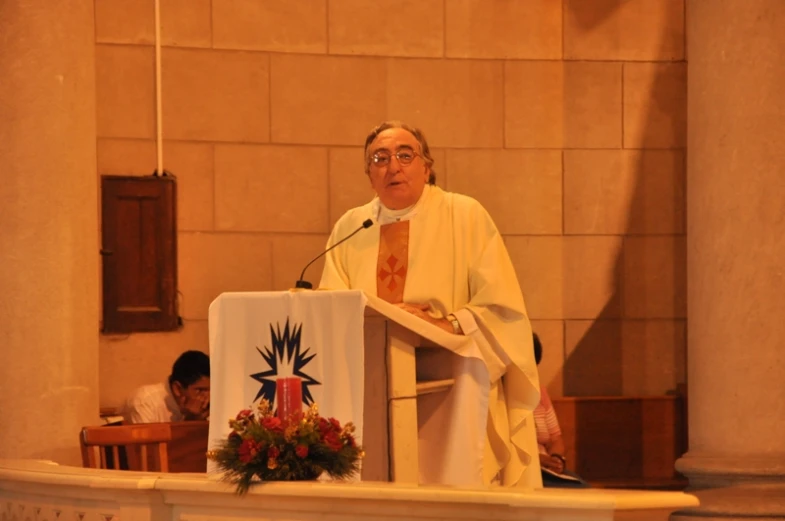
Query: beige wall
(565, 119)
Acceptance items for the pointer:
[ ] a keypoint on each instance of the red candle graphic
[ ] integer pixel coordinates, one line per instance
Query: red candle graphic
(289, 393)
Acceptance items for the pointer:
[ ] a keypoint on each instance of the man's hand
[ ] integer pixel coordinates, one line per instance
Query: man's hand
(421, 311)
(195, 407)
(551, 463)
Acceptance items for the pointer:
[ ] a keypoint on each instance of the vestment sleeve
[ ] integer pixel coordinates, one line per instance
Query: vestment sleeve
(504, 336)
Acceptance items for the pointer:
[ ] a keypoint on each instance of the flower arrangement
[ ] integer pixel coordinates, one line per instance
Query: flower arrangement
(264, 447)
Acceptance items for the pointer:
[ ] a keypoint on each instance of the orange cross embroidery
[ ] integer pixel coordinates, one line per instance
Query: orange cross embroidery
(393, 273)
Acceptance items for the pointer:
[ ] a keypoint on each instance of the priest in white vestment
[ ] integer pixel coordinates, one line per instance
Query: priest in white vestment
(439, 256)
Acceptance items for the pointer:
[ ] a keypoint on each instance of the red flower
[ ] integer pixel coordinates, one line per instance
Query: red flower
(336, 424)
(245, 414)
(333, 441)
(273, 452)
(272, 424)
(324, 427)
(301, 451)
(234, 435)
(352, 441)
(248, 450)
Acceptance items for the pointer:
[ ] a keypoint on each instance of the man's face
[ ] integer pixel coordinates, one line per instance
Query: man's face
(397, 185)
(194, 400)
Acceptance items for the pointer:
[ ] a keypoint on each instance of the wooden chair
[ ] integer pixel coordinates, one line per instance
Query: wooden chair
(111, 442)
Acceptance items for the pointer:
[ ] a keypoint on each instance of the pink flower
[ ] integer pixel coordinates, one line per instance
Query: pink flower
(248, 450)
(272, 424)
(301, 451)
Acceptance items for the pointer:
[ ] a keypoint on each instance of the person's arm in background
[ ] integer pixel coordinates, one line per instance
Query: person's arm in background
(556, 446)
(554, 459)
(550, 460)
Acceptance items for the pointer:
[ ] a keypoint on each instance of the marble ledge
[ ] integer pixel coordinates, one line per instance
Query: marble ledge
(201, 490)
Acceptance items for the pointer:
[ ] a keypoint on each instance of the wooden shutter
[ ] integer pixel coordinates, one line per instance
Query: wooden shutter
(139, 252)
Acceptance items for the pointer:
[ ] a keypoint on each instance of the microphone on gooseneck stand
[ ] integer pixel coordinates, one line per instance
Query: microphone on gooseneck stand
(304, 284)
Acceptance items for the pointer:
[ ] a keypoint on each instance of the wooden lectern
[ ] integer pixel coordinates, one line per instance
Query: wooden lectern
(391, 391)
(406, 359)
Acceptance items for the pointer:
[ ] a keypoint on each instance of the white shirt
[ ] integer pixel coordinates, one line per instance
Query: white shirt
(152, 404)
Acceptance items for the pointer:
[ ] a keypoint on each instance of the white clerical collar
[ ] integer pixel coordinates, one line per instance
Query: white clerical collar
(385, 215)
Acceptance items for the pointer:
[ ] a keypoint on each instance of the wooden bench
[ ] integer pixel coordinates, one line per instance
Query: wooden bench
(109, 447)
(166, 447)
(624, 441)
(611, 441)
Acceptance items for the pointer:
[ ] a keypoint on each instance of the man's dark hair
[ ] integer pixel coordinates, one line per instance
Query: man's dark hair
(190, 367)
(537, 348)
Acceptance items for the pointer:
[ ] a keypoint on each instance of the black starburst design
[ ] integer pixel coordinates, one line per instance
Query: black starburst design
(284, 344)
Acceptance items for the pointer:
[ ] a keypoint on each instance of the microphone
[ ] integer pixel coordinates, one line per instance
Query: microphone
(304, 284)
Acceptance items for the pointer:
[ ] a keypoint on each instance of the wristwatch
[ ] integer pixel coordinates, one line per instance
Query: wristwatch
(456, 326)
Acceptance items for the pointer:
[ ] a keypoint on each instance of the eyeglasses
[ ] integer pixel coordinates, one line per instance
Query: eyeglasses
(383, 158)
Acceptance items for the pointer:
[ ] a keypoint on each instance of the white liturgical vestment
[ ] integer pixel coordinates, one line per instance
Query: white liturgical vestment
(483, 430)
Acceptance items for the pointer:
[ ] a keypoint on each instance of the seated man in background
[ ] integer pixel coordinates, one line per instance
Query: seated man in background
(185, 396)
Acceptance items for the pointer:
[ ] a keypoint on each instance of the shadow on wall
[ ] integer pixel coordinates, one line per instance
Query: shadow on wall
(652, 261)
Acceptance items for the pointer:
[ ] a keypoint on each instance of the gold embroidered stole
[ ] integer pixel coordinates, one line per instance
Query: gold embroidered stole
(393, 261)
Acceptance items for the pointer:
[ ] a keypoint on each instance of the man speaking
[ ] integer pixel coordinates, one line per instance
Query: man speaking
(439, 256)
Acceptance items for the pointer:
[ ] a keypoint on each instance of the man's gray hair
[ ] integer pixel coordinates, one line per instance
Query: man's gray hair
(418, 135)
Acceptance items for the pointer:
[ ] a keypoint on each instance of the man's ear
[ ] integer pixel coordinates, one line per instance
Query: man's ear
(177, 389)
